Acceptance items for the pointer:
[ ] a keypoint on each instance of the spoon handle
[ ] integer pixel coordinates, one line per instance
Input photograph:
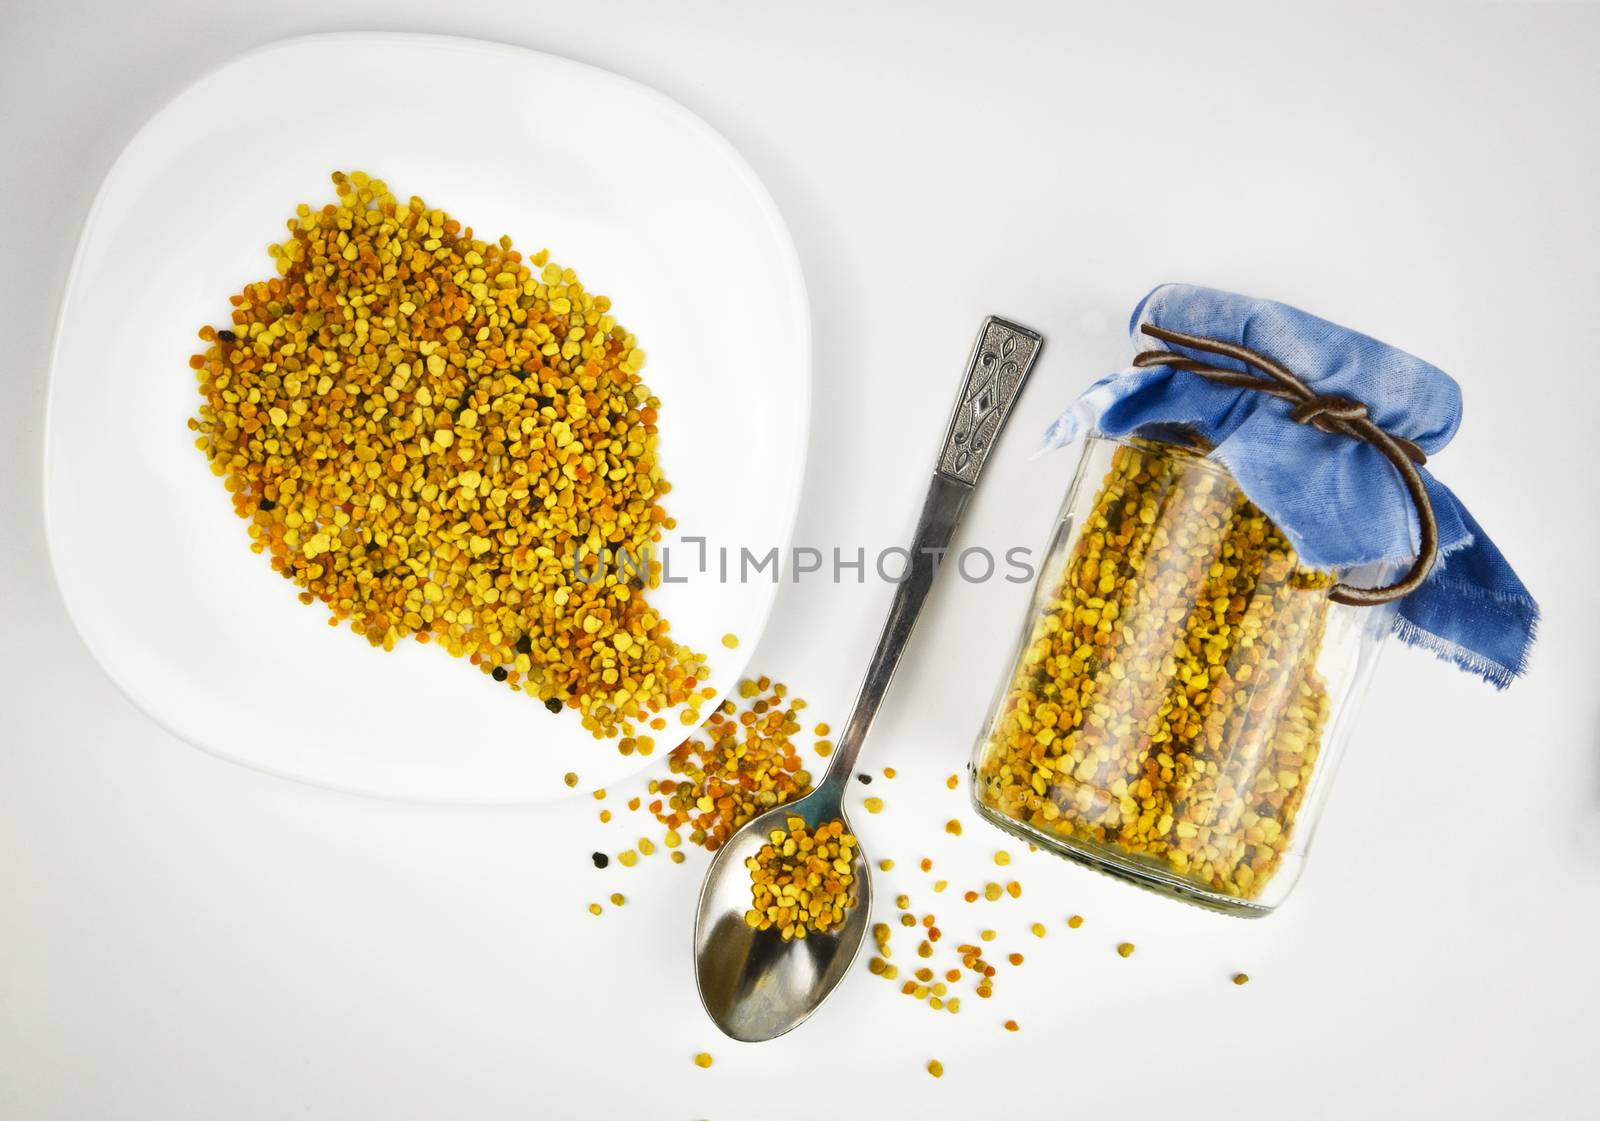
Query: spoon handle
(1000, 362)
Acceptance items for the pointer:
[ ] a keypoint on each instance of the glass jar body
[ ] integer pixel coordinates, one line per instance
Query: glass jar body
(1182, 686)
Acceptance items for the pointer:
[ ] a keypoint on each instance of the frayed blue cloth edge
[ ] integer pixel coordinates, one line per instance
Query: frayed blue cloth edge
(1470, 660)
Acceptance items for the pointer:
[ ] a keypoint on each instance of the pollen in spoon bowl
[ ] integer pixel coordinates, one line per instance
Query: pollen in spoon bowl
(801, 880)
(755, 984)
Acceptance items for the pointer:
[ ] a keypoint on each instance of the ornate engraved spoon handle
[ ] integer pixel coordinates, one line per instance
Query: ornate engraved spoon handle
(1001, 359)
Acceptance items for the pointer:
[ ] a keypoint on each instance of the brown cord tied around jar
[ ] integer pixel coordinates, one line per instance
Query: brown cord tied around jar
(1327, 413)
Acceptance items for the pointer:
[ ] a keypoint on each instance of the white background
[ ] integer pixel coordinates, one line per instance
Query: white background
(182, 938)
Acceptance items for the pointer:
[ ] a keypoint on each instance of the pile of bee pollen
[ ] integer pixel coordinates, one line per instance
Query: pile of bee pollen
(441, 439)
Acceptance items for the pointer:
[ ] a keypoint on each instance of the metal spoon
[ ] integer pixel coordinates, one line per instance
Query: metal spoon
(754, 985)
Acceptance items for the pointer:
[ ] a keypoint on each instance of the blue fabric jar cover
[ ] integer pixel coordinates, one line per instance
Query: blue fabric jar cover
(1339, 502)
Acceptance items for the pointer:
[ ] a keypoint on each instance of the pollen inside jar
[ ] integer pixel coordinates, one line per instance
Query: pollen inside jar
(1168, 703)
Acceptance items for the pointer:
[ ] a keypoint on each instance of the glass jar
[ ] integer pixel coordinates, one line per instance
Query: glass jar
(1182, 686)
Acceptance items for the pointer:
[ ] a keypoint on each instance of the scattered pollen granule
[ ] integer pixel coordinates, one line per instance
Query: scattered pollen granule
(740, 763)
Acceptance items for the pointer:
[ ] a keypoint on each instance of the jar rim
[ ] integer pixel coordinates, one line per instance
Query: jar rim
(1197, 452)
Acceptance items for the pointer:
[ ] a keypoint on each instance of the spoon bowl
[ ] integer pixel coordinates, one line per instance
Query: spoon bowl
(754, 985)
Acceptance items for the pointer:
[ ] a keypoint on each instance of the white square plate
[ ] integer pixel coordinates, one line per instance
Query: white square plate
(631, 190)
